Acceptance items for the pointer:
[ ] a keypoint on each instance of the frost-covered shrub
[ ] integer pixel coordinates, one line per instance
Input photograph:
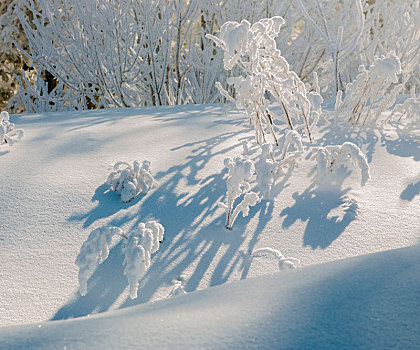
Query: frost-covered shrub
(408, 110)
(375, 84)
(330, 158)
(93, 252)
(141, 243)
(8, 133)
(267, 76)
(284, 262)
(241, 171)
(130, 180)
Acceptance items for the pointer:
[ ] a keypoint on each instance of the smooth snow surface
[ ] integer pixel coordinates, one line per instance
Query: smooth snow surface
(53, 194)
(368, 302)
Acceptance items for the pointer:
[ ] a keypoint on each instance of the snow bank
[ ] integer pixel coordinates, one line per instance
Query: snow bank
(368, 302)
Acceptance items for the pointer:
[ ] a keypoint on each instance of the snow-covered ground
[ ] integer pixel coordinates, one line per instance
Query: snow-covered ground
(368, 302)
(53, 194)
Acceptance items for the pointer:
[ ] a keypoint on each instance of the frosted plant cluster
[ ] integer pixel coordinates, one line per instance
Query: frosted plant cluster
(141, 243)
(130, 180)
(330, 158)
(8, 133)
(284, 262)
(253, 50)
(374, 88)
(267, 75)
(240, 173)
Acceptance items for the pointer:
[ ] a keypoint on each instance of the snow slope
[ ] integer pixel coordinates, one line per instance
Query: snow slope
(53, 195)
(367, 302)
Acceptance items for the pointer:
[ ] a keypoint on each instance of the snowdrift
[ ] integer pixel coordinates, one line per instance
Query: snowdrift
(367, 302)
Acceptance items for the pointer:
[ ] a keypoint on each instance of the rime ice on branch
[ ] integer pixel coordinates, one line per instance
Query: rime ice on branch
(129, 180)
(253, 49)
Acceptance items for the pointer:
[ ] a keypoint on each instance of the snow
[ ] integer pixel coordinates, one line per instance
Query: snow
(54, 193)
(367, 302)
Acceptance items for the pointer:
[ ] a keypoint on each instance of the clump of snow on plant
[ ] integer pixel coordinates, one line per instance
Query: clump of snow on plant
(370, 88)
(8, 133)
(130, 180)
(141, 243)
(330, 158)
(93, 252)
(284, 262)
(241, 170)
